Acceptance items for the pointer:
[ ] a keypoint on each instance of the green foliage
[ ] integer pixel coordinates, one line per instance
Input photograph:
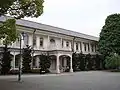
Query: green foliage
(98, 59)
(109, 41)
(76, 61)
(82, 62)
(8, 31)
(112, 61)
(88, 62)
(44, 63)
(26, 59)
(6, 61)
(21, 8)
(35, 71)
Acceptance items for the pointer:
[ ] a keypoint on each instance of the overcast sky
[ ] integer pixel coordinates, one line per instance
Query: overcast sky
(84, 16)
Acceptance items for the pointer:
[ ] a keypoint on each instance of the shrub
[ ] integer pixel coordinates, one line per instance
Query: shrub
(112, 61)
(88, 62)
(14, 72)
(6, 61)
(76, 61)
(35, 71)
(44, 63)
(26, 59)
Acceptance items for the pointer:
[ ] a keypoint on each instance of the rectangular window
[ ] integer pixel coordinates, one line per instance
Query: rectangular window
(67, 44)
(26, 38)
(41, 42)
(95, 48)
(34, 41)
(92, 47)
(80, 46)
(85, 47)
(88, 47)
(76, 46)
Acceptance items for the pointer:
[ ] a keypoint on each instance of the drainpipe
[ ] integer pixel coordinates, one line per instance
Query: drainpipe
(73, 44)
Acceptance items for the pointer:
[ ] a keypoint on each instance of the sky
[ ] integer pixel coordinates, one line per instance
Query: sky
(84, 16)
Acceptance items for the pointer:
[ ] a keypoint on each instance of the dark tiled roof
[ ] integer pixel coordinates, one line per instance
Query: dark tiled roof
(31, 24)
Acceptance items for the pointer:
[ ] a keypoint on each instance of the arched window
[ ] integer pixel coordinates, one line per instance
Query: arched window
(26, 38)
(52, 40)
(17, 59)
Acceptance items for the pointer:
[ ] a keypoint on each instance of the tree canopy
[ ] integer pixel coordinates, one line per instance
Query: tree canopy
(109, 41)
(8, 31)
(21, 8)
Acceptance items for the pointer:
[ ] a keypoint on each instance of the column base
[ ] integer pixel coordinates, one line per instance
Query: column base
(71, 70)
(57, 72)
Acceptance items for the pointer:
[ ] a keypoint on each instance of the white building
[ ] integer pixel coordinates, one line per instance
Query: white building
(56, 41)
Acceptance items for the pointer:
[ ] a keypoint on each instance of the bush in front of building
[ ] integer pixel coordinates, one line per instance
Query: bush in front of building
(112, 61)
(82, 62)
(6, 61)
(26, 59)
(76, 62)
(44, 64)
(89, 62)
(13, 72)
(35, 71)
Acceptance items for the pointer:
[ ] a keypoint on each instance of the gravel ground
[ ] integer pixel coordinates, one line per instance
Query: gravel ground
(92, 80)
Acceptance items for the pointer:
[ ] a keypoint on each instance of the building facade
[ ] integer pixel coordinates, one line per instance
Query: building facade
(57, 42)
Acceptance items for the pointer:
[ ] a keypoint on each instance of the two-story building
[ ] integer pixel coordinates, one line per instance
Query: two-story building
(57, 42)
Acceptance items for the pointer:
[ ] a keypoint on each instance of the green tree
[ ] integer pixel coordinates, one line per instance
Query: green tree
(6, 61)
(26, 59)
(44, 63)
(109, 41)
(7, 35)
(112, 61)
(16, 9)
(21, 8)
(97, 61)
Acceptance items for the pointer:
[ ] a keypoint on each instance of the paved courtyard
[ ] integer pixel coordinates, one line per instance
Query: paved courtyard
(92, 80)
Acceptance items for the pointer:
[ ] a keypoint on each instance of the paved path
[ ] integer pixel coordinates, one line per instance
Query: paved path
(92, 80)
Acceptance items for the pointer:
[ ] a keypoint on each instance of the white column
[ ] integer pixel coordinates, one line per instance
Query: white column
(90, 47)
(37, 42)
(71, 68)
(82, 47)
(57, 65)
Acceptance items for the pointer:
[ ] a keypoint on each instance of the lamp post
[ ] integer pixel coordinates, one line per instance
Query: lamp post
(20, 61)
(33, 47)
